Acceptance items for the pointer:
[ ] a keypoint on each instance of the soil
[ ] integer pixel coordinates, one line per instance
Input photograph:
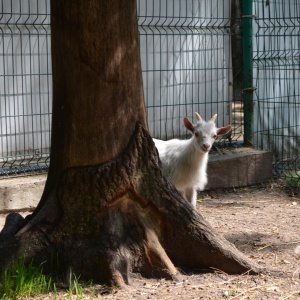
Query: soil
(262, 221)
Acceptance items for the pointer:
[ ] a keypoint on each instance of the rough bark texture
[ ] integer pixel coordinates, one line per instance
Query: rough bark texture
(97, 83)
(104, 222)
(97, 80)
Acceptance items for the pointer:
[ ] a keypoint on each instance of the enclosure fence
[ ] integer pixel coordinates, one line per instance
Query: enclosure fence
(25, 86)
(186, 62)
(192, 60)
(186, 65)
(276, 69)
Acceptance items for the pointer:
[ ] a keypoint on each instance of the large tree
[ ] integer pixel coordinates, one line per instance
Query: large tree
(106, 210)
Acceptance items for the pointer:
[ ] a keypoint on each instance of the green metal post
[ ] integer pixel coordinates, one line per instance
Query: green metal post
(248, 72)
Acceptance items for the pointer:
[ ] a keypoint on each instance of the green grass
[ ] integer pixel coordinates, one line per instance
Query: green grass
(25, 280)
(74, 287)
(292, 178)
(22, 280)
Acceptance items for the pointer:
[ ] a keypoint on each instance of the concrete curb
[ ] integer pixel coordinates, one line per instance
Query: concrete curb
(22, 193)
(244, 167)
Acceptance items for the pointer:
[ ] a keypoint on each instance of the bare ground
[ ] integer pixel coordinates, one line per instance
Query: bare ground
(262, 221)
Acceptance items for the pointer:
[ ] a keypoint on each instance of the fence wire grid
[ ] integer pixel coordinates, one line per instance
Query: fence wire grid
(276, 57)
(192, 60)
(25, 86)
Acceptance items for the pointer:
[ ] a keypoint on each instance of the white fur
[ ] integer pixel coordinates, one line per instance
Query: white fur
(184, 162)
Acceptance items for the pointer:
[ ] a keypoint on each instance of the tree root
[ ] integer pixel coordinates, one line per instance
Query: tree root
(104, 222)
(13, 223)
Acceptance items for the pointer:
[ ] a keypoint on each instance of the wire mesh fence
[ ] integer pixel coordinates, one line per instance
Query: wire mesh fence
(277, 78)
(192, 60)
(186, 65)
(186, 62)
(25, 86)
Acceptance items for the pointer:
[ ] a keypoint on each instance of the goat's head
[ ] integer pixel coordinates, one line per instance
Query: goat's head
(204, 132)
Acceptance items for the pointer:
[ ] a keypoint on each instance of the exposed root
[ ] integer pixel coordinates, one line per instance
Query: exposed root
(104, 222)
(158, 257)
(13, 223)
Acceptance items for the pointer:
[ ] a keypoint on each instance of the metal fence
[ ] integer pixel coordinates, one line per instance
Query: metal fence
(276, 62)
(192, 60)
(25, 86)
(186, 64)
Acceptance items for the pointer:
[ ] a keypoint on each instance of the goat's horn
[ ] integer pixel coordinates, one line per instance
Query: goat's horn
(198, 117)
(213, 118)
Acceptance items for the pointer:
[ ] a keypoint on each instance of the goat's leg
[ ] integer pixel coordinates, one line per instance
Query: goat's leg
(191, 195)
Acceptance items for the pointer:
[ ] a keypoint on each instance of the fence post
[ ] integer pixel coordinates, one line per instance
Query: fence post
(248, 89)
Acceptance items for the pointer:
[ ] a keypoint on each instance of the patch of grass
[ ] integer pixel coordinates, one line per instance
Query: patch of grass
(22, 280)
(292, 178)
(74, 287)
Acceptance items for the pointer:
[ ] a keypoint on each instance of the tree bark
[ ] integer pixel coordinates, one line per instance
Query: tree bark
(107, 211)
(98, 90)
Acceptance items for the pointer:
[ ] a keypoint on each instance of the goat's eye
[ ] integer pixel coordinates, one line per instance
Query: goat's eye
(214, 136)
(196, 134)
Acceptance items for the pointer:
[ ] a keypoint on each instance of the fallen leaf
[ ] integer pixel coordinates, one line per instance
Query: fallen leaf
(285, 261)
(272, 288)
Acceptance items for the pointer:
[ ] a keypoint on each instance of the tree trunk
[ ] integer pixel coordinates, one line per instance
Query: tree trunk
(107, 210)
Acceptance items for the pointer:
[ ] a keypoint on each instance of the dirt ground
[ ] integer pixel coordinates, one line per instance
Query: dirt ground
(262, 221)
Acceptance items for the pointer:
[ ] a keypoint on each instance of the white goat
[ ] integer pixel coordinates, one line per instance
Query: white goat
(184, 162)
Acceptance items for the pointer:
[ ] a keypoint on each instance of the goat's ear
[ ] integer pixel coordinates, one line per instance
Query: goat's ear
(224, 130)
(213, 118)
(198, 117)
(188, 125)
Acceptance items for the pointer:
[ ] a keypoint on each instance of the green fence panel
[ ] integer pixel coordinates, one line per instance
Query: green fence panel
(186, 64)
(25, 85)
(276, 63)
